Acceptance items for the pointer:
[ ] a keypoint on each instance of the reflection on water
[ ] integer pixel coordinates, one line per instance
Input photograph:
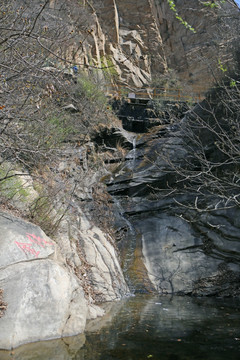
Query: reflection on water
(147, 327)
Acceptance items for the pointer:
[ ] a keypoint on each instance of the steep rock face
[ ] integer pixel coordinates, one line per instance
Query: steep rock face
(134, 43)
(93, 257)
(133, 40)
(181, 248)
(145, 39)
(195, 56)
(88, 249)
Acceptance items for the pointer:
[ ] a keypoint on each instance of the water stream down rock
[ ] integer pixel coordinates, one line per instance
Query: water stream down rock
(178, 248)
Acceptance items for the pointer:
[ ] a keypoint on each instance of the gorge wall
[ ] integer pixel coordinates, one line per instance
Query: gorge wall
(54, 283)
(136, 42)
(177, 237)
(144, 40)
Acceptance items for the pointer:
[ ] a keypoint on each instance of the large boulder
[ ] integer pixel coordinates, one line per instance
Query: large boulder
(44, 298)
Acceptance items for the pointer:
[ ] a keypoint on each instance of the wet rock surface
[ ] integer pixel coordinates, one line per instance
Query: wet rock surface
(184, 247)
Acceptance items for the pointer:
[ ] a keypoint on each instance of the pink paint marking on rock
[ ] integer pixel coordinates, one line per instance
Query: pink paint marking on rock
(27, 248)
(38, 240)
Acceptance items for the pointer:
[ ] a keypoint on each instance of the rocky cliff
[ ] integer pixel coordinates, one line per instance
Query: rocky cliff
(134, 44)
(178, 194)
(49, 284)
(144, 40)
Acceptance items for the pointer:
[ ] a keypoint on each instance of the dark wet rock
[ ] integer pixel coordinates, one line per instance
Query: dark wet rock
(140, 115)
(108, 138)
(149, 167)
(188, 245)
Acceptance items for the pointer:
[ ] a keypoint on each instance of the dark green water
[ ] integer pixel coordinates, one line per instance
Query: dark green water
(147, 327)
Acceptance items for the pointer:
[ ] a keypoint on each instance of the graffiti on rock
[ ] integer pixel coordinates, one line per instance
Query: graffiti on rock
(28, 247)
(38, 240)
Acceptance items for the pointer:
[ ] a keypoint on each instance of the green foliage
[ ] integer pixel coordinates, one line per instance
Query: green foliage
(46, 210)
(108, 68)
(213, 4)
(42, 214)
(233, 83)
(59, 129)
(172, 6)
(90, 90)
(12, 186)
(210, 4)
(221, 66)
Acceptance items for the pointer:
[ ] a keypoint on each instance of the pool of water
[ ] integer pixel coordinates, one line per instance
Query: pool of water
(150, 327)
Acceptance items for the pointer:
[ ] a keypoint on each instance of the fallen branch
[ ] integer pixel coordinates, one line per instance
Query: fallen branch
(3, 305)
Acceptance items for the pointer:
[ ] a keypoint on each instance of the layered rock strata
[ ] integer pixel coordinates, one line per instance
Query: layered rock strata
(182, 239)
(133, 43)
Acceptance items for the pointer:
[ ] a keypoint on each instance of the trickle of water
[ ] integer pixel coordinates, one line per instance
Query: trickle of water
(121, 212)
(130, 246)
(132, 153)
(134, 148)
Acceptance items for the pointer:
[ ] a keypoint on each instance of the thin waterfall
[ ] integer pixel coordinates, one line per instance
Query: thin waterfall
(130, 245)
(134, 148)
